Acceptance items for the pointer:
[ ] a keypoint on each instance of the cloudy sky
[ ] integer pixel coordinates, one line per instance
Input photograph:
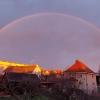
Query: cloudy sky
(87, 10)
(14, 9)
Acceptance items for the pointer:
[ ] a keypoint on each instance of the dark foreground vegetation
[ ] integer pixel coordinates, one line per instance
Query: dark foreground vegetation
(32, 87)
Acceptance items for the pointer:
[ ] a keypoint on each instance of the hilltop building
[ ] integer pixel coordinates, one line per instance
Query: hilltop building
(83, 77)
(32, 69)
(4, 64)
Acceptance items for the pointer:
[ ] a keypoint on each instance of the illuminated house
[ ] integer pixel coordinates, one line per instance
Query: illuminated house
(82, 77)
(32, 69)
(5, 64)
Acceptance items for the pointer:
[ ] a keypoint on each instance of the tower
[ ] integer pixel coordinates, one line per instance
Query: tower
(84, 76)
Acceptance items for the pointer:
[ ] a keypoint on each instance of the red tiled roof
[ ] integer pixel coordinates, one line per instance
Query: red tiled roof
(78, 66)
(21, 69)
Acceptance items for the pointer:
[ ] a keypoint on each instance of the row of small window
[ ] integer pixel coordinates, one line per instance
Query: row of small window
(92, 84)
(78, 75)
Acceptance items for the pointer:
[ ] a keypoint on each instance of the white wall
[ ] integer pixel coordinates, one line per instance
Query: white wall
(86, 82)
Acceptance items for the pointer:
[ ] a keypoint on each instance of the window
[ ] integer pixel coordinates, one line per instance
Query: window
(92, 91)
(93, 83)
(81, 75)
(92, 75)
(73, 75)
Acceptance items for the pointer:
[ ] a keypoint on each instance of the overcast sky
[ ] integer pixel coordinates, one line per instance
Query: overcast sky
(14, 9)
(88, 10)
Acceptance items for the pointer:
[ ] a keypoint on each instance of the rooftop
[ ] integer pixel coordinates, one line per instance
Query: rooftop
(78, 66)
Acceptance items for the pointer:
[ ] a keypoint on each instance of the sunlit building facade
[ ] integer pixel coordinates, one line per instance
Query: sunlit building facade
(83, 77)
